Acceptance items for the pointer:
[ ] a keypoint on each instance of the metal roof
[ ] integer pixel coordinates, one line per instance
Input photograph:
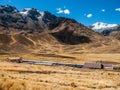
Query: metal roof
(92, 65)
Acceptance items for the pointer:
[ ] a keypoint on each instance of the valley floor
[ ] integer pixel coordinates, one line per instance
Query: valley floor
(19, 76)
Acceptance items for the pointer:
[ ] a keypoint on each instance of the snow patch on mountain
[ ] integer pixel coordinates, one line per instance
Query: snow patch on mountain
(100, 26)
(26, 12)
(42, 14)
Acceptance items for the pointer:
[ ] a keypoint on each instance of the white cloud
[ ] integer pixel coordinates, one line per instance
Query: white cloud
(66, 11)
(63, 11)
(103, 10)
(59, 10)
(89, 15)
(117, 9)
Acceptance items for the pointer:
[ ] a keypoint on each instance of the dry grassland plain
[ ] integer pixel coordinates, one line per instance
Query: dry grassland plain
(20, 76)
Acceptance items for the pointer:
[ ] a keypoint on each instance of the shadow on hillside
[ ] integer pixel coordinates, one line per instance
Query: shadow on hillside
(56, 56)
(38, 72)
(68, 37)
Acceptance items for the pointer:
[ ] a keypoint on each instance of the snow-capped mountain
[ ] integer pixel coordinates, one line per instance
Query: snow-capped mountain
(7, 9)
(31, 20)
(100, 26)
(27, 19)
(35, 14)
(32, 13)
(31, 29)
(104, 28)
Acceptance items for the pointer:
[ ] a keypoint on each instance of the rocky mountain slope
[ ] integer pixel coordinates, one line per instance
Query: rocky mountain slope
(33, 31)
(28, 19)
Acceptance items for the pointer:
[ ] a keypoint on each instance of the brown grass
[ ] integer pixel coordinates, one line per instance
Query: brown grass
(14, 76)
(10, 84)
(69, 58)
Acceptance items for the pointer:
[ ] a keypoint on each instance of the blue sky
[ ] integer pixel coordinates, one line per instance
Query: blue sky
(86, 12)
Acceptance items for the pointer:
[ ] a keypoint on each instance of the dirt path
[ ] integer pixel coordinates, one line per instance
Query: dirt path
(31, 41)
(13, 40)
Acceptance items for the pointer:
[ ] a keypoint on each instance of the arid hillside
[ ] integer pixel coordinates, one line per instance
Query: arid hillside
(47, 43)
(74, 39)
(33, 31)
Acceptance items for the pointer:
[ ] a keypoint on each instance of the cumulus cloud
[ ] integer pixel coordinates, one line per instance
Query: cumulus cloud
(59, 10)
(66, 11)
(89, 15)
(63, 11)
(117, 9)
(103, 10)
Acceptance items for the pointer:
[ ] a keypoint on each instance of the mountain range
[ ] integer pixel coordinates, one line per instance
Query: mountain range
(33, 31)
(28, 19)
(107, 29)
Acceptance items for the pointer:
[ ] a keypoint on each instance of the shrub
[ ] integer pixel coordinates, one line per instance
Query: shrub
(73, 84)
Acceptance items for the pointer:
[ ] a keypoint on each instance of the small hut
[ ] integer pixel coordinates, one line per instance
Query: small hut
(93, 65)
(15, 59)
